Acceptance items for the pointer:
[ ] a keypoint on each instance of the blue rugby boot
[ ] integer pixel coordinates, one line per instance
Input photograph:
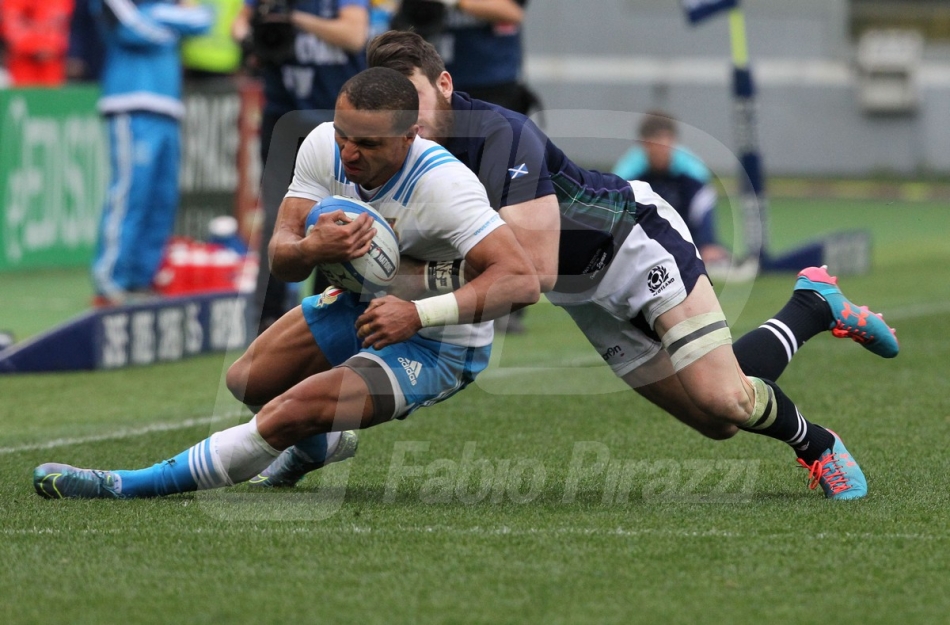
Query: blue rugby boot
(837, 472)
(292, 465)
(61, 481)
(854, 322)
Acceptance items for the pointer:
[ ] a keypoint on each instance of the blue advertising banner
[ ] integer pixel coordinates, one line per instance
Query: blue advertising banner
(163, 330)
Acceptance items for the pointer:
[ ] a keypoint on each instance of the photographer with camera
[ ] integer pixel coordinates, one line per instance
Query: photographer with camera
(305, 50)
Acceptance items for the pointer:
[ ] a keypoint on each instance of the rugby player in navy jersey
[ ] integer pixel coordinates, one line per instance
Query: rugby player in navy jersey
(621, 262)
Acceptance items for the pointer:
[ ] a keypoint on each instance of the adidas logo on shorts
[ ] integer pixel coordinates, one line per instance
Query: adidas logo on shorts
(413, 369)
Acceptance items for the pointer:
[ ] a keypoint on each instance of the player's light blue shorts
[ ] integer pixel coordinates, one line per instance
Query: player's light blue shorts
(421, 372)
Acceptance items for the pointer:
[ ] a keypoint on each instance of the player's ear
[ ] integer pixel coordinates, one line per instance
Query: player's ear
(444, 84)
(412, 132)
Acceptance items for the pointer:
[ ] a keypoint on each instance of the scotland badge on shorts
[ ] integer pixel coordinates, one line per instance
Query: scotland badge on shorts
(659, 278)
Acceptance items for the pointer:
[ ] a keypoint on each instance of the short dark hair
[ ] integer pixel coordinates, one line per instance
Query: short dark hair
(405, 52)
(656, 122)
(383, 89)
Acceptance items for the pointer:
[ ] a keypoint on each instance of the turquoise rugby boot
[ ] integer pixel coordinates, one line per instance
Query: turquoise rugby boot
(61, 481)
(854, 322)
(837, 472)
(290, 467)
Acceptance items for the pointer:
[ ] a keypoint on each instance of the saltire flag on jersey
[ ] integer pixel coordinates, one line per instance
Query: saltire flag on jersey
(698, 10)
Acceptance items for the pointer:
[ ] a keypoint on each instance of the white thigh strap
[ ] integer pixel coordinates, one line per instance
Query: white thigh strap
(690, 340)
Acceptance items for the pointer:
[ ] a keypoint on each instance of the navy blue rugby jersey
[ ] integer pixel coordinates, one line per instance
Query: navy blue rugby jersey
(517, 162)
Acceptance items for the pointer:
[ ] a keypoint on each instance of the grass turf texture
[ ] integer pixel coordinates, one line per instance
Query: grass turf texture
(775, 553)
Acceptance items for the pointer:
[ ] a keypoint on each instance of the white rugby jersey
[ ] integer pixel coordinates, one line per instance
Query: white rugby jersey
(435, 204)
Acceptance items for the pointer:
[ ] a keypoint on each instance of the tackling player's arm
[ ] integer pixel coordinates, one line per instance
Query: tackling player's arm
(505, 279)
(536, 225)
(294, 254)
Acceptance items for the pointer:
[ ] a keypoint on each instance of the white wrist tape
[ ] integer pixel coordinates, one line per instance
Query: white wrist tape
(441, 310)
(444, 276)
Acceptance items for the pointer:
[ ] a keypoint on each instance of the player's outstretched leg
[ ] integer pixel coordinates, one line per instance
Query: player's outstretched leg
(314, 453)
(817, 305)
(225, 458)
(335, 397)
(696, 337)
(818, 449)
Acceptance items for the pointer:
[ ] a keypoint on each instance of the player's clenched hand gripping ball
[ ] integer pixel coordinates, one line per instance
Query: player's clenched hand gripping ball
(374, 271)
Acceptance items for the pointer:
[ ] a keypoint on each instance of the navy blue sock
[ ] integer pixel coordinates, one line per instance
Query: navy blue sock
(782, 420)
(767, 350)
(314, 448)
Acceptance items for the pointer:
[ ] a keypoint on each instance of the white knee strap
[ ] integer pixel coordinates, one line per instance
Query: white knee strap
(766, 408)
(690, 340)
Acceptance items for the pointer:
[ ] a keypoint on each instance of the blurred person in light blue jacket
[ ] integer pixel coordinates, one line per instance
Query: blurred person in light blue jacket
(141, 101)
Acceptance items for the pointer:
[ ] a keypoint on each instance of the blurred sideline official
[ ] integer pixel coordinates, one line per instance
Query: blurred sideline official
(141, 101)
(215, 53)
(678, 176)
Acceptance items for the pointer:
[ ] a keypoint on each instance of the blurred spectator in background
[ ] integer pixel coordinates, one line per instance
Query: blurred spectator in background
(36, 33)
(305, 50)
(482, 49)
(678, 176)
(87, 51)
(214, 54)
(480, 42)
(141, 100)
(380, 16)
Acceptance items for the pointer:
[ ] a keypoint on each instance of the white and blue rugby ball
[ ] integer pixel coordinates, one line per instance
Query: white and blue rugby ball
(371, 273)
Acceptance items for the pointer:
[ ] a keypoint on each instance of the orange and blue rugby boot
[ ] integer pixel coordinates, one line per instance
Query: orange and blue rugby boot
(854, 322)
(837, 472)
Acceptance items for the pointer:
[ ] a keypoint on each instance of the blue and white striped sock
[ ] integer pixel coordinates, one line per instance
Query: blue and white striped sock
(224, 458)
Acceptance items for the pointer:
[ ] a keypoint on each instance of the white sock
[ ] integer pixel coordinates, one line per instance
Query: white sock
(333, 439)
(240, 453)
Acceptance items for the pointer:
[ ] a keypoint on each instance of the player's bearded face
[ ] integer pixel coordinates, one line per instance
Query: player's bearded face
(370, 150)
(435, 109)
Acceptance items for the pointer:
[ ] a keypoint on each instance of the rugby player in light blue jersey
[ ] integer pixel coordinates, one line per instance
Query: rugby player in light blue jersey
(336, 362)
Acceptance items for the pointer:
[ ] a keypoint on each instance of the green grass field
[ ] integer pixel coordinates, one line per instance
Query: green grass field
(508, 519)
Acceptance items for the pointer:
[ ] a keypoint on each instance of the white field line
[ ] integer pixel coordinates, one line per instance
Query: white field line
(917, 310)
(896, 314)
(486, 532)
(119, 434)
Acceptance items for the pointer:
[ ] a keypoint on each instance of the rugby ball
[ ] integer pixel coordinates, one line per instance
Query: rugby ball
(371, 273)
